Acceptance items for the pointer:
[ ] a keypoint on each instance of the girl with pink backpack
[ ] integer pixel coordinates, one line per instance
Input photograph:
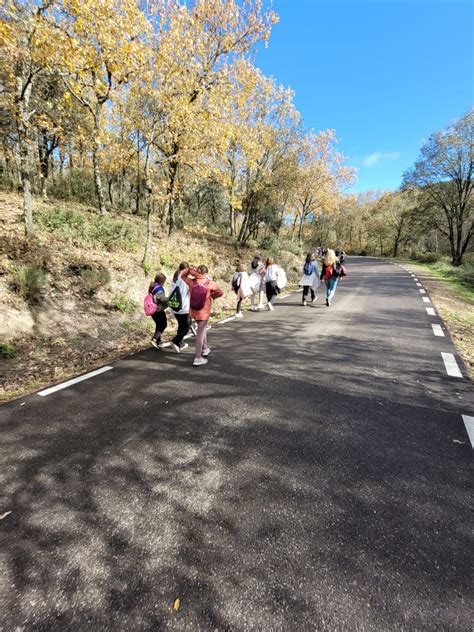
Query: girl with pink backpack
(155, 304)
(202, 293)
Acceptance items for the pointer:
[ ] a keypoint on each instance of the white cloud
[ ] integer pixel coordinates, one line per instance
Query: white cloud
(377, 156)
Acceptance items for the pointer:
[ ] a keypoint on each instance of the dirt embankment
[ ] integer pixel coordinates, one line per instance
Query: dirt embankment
(88, 308)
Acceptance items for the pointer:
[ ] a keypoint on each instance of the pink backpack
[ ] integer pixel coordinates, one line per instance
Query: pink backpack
(198, 296)
(149, 305)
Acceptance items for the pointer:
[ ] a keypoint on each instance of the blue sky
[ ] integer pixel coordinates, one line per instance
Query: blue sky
(384, 74)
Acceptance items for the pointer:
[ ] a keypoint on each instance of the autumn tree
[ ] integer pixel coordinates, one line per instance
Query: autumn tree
(23, 31)
(443, 176)
(190, 76)
(99, 45)
(321, 177)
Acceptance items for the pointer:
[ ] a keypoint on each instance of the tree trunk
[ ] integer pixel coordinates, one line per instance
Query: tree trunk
(95, 161)
(110, 185)
(22, 124)
(300, 230)
(149, 233)
(98, 182)
(231, 219)
(44, 163)
(171, 189)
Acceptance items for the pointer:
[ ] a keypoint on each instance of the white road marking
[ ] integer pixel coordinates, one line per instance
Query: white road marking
(430, 311)
(419, 285)
(426, 299)
(438, 331)
(469, 423)
(226, 320)
(414, 277)
(81, 378)
(451, 365)
(422, 291)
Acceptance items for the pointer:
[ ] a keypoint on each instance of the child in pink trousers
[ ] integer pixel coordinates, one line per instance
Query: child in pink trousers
(202, 293)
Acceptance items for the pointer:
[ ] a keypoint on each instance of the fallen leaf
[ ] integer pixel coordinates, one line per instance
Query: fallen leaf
(7, 513)
(176, 604)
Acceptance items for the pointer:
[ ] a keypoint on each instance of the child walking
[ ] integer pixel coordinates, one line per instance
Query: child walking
(257, 282)
(241, 286)
(179, 303)
(202, 293)
(310, 279)
(271, 285)
(157, 290)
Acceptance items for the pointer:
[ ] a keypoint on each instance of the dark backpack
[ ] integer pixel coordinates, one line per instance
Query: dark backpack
(308, 269)
(175, 300)
(338, 270)
(198, 296)
(236, 281)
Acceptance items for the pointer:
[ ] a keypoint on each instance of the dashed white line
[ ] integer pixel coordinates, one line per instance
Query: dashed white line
(422, 291)
(430, 311)
(437, 330)
(426, 299)
(419, 285)
(226, 320)
(469, 423)
(81, 378)
(451, 365)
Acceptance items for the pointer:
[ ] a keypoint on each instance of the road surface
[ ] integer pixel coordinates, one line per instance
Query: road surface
(315, 475)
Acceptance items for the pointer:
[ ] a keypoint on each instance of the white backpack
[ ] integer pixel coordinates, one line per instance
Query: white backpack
(281, 279)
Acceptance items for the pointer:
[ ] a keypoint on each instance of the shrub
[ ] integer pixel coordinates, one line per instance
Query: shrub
(87, 227)
(165, 260)
(29, 281)
(8, 351)
(90, 281)
(125, 304)
(77, 185)
(425, 257)
(466, 274)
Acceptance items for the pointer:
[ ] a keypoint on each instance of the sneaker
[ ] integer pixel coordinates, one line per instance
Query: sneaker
(183, 346)
(270, 307)
(175, 347)
(314, 299)
(199, 361)
(260, 306)
(155, 343)
(208, 326)
(327, 302)
(304, 303)
(239, 315)
(206, 352)
(253, 308)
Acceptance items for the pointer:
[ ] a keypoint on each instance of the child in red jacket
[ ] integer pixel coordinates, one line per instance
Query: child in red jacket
(202, 293)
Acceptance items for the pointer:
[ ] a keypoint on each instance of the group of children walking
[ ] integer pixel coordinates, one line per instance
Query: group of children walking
(192, 292)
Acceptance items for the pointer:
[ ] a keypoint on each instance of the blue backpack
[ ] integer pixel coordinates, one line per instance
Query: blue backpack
(308, 268)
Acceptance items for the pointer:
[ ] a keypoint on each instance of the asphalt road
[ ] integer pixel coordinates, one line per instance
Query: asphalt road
(315, 475)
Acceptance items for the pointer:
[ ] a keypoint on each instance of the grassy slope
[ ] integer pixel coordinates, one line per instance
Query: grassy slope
(74, 332)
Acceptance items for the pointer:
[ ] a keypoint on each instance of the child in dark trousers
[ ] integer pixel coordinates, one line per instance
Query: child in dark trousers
(157, 290)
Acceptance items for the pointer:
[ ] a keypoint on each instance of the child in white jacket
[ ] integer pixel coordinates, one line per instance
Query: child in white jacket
(241, 286)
